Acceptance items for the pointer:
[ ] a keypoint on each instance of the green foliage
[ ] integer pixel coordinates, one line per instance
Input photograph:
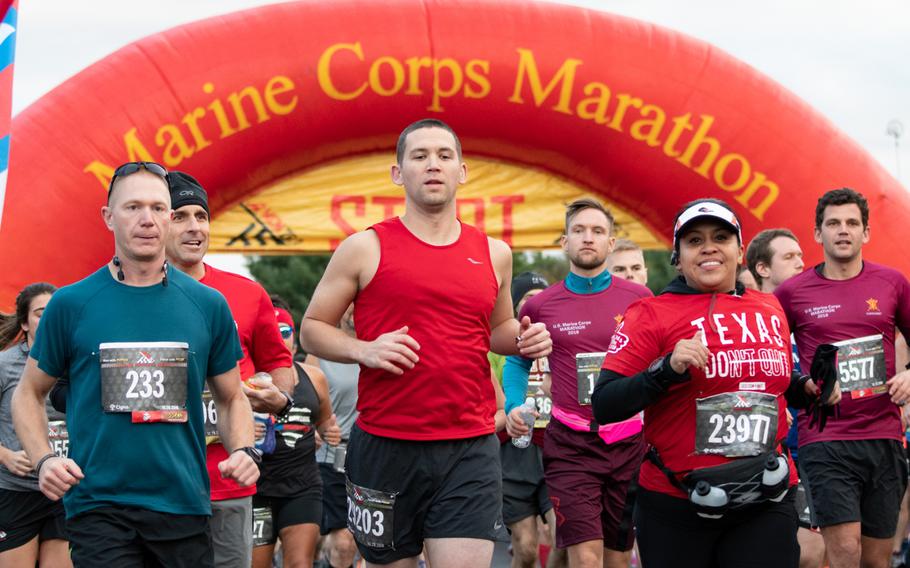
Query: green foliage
(294, 278)
(552, 266)
(660, 271)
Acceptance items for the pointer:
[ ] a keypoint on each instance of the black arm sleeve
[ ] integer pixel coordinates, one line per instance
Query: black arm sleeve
(617, 397)
(59, 392)
(796, 393)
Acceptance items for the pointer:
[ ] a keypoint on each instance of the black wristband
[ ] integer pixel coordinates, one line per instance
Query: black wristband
(42, 460)
(254, 453)
(663, 372)
(287, 407)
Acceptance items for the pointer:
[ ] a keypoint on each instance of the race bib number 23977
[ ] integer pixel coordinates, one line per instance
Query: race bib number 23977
(736, 424)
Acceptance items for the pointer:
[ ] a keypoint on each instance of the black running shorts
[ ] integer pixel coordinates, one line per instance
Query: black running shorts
(401, 492)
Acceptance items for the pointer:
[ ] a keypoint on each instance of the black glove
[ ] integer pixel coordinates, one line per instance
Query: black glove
(824, 374)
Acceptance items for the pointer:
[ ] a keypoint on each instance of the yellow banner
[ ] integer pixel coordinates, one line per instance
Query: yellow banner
(314, 211)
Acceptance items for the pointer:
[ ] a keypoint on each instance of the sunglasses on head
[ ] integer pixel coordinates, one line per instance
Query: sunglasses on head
(130, 168)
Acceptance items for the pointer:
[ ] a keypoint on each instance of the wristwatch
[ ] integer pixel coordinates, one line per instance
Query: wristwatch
(287, 407)
(657, 365)
(254, 453)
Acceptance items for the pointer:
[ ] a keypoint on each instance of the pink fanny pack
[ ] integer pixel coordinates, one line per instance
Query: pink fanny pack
(609, 433)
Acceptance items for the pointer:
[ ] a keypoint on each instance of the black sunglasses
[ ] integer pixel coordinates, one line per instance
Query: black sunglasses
(130, 168)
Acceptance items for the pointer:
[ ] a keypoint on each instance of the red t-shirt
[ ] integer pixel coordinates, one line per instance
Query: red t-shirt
(819, 311)
(445, 295)
(263, 350)
(749, 343)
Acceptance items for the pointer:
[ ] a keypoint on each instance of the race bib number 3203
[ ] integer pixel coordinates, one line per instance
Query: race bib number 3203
(144, 377)
(370, 516)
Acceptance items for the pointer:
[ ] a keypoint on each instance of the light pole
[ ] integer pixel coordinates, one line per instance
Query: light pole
(896, 129)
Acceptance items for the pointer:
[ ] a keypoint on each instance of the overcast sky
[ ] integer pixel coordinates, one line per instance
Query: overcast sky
(849, 60)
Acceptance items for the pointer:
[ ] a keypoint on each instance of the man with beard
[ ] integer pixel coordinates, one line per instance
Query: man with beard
(589, 468)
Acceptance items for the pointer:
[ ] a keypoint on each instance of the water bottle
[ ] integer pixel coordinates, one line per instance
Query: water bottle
(709, 500)
(341, 451)
(776, 472)
(266, 442)
(527, 414)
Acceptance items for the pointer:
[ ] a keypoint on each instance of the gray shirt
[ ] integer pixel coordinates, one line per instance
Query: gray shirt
(342, 379)
(12, 363)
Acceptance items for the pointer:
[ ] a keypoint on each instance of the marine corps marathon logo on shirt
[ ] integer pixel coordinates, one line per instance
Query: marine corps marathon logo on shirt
(619, 340)
(872, 307)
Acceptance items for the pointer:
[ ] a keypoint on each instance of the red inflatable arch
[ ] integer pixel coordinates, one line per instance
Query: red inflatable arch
(644, 116)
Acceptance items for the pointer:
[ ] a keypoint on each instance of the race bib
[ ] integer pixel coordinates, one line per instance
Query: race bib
(541, 401)
(59, 437)
(262, 526)
(295, 425)
(370, 516)
(736, 424)
(148, 379)
(587, 369)
(209, 416)
(861, 366)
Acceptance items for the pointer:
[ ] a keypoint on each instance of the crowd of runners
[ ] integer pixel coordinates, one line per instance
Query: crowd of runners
(160, 414)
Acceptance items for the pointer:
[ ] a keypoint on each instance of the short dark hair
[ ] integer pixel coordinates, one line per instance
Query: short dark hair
(759, 249)
(579, 205)
(424, 123)
(842, 196)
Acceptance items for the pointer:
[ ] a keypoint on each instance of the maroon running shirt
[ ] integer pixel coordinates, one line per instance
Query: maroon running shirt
(751, 358)
(870, 304)
(579, 323)
(445, 295)
(263, 350)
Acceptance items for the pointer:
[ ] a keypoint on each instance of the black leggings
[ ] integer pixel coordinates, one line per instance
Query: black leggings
(671, 535)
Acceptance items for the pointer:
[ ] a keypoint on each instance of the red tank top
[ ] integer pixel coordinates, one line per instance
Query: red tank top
(445, 295)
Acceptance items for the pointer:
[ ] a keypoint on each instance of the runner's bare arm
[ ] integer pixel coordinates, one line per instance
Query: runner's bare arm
(350, 270)
(500, 417)
(56, 475)
(505, 329)
(284, 378)
(235, 427)
(235, 417)
(326, 423)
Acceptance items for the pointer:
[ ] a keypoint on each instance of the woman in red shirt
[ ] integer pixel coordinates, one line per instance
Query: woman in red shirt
(710, 364)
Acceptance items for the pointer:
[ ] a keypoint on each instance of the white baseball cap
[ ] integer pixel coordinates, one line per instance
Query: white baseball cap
(706, 210)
